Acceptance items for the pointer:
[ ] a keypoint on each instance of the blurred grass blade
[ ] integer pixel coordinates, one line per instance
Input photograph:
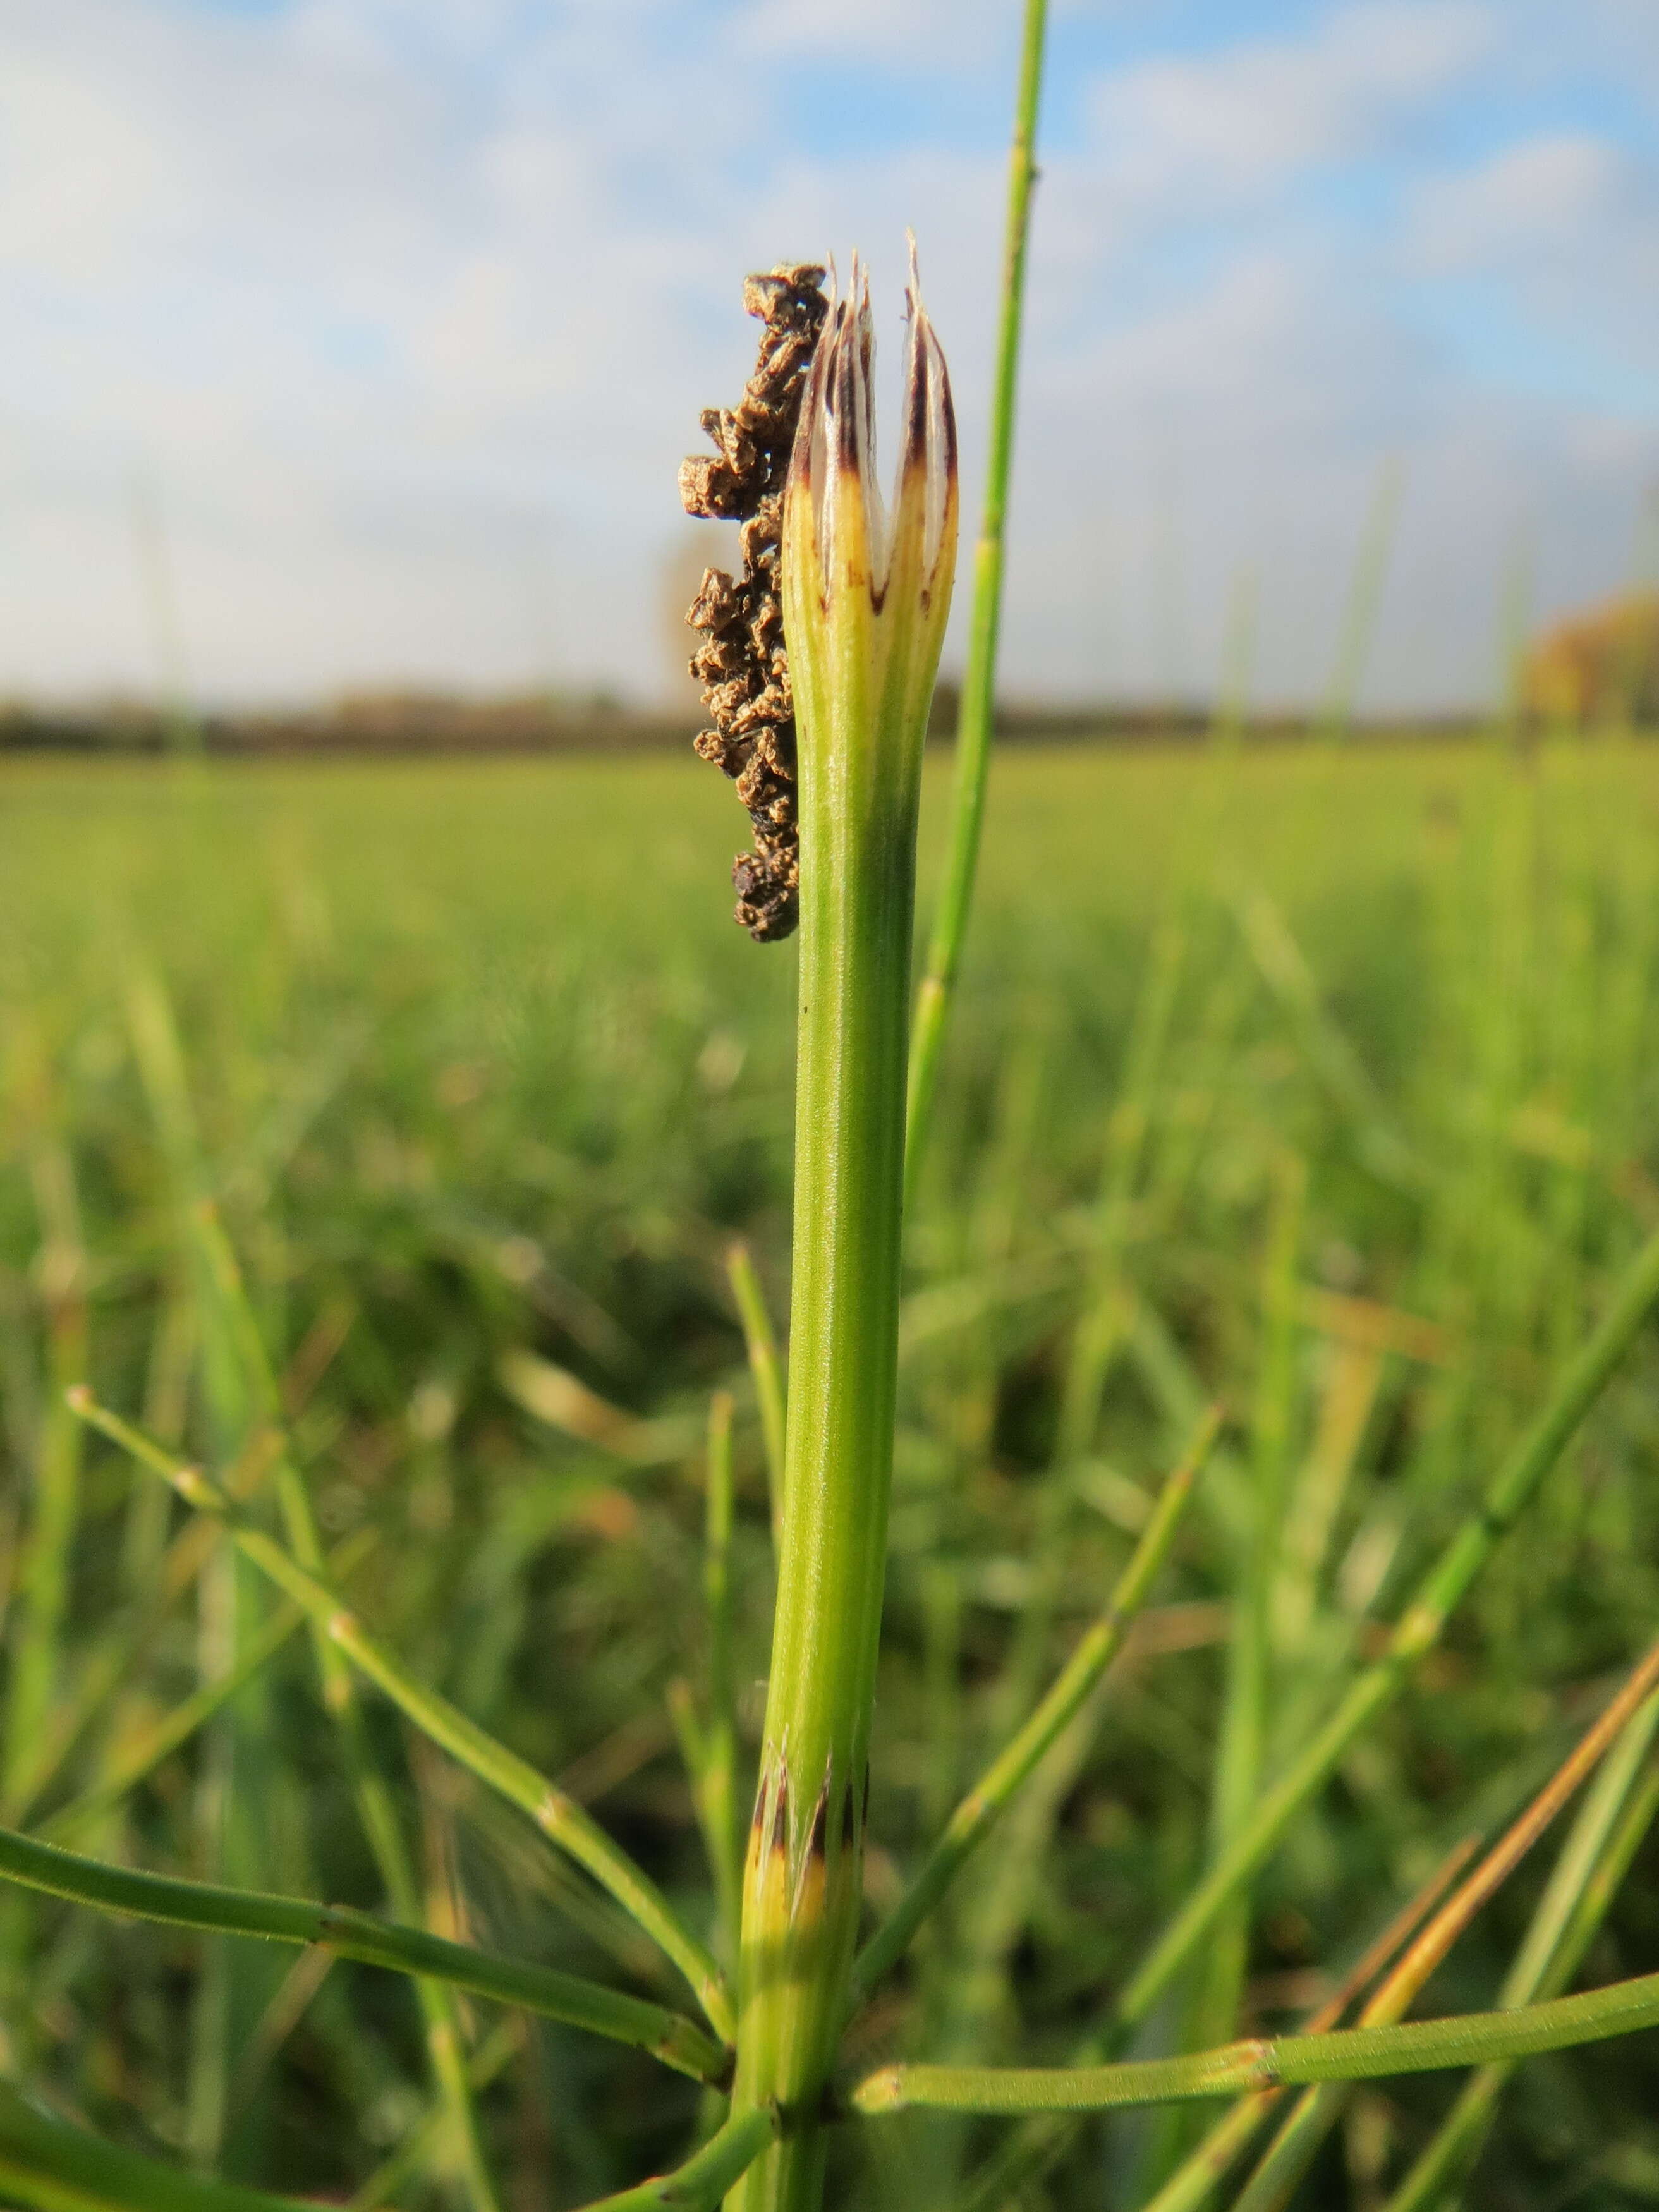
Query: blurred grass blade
(174, 1731)
(761, 1340)
(980, 1810)
(1241, 1739)
(50, 2166)
(991, 1918)
(1370, 569)
(233, 1770)
(495, 2052)
(718, 1794)
(34, 1637)
(1330, 1054)
(119, 1651)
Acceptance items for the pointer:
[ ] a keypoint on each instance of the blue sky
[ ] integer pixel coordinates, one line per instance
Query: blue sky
(400, 312)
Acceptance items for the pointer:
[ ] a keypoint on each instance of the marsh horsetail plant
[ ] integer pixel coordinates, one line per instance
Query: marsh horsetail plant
(866, 596)
(817, 661)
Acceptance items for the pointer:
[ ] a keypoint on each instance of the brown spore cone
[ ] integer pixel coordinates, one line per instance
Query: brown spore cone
(742, 663)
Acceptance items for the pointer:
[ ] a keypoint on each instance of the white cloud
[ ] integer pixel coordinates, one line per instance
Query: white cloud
(1247, 117)
(942, 34)
(1568, 224)
(407, 311)
(78, 169)
(1543, 195)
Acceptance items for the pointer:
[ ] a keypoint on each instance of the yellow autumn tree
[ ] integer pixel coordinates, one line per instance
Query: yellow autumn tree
(1601, 665)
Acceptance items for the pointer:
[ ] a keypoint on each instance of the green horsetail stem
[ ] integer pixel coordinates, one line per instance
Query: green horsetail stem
(865, 602)
(976, 715)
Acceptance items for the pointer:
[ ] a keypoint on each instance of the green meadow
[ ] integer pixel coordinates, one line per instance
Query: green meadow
(1321, 1082)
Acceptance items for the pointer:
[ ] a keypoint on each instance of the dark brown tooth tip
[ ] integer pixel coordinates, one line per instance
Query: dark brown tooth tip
(916, 410)
(845, 411)
(781, 1814)
(817, 1840)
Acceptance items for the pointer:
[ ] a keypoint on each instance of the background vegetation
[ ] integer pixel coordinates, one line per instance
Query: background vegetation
(1323, 1080)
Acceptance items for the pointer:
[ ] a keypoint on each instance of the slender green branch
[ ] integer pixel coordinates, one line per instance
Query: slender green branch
(559, 1818)
(1241, 1739)
(705, 2177)
(1349, 2054)
(1329, 1052)
(1370, 565)
(978, 710)
(53, 2167)
(119, 1649)
(493, 2053)
(36, 1640)
(355, 1934)
(761, 1342)
(985, 1803)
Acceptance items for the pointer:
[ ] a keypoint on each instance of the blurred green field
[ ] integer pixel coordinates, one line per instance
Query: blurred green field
(481, 1076)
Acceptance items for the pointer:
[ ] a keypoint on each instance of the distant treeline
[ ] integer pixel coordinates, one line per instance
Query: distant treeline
(1598, 670)
(395, 724)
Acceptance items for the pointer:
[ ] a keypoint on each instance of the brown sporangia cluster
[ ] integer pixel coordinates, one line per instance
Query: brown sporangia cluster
(742, 663)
